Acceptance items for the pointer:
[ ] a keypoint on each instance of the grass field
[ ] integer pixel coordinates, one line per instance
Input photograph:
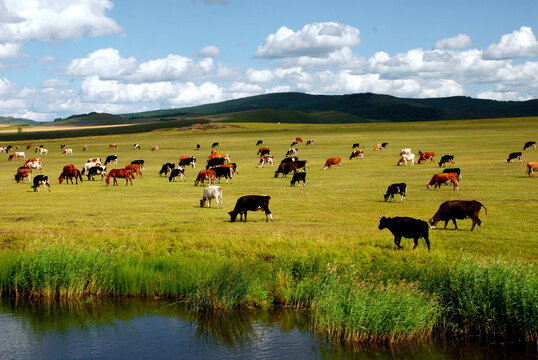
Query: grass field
(156, 227)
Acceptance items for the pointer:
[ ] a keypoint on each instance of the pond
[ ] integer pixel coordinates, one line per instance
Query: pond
(136, 329)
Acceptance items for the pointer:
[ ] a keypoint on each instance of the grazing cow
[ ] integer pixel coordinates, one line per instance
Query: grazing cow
(167, 167)
(292, 152)
(62, 146)
(454, 170)
(378, 147)
(67, 152)
(405, 158)
(384, 145)
(85, 147)
(212, 192)
(204, 175)
(136, 147)
(356, 154)
(29, 146)
(96, 170)
(187, 160)
(214, 162)
(70, 172)
(529, 144)
(111, 145)
(531, 167)
(224, 171)
(41, 150)
(135, 169)
(251, 203)
(394, 189)
(513, 156)
(215, 144)
(423, 156)
(406, 227)
(21, 154)
(263, 151)
(356, 145)
(111, 158)
(41, 180)
(309, 142)
(443, 178)
(332, 161)
(458, 209)
(446, 159)
(12, 156)
(34, 163)
(119, 173)
(286, 168)
(23, 172)
(297, 177)
(298, 139)
(406, 151)
(259, 142)
(138, 162)
(266, 159)
(197, 146)
(154, 148)
(177, 172)
(294, 143)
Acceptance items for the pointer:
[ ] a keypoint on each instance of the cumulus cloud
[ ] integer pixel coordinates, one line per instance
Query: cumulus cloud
(313, 40)
(459, 41)
(9, 50)
(519, 44)
(208, 51)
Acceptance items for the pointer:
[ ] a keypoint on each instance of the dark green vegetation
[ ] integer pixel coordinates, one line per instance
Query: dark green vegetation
(323, 251)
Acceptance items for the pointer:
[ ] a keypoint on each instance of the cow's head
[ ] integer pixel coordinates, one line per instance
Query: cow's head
(432, 223)
(233, 216)
(383, 222)
(428, 186)
(386, 196)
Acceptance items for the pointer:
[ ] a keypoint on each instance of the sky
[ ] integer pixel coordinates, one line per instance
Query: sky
(65, 57)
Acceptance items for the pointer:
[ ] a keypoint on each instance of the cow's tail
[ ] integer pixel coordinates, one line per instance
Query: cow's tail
(482, 205)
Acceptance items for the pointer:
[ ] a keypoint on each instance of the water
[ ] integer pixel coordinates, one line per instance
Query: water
(133, 329)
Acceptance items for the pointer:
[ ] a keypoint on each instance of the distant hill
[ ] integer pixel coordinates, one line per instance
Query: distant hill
(366, 107)
(8, 120)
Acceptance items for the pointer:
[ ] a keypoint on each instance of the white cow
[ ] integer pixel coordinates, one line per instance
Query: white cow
(405, 151)
(67, 152)
(20, 154)
(266, 159)
(407, 157)
(212, 192)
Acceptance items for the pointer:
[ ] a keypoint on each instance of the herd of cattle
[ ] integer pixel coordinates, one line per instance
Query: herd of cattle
(219, 165)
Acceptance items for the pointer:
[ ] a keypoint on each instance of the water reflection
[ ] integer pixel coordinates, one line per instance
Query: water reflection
(135, 329)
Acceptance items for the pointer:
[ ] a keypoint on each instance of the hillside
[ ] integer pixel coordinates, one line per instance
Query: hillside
(11, 121)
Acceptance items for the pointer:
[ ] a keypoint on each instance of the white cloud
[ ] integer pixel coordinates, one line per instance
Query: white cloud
(105, 63)
(502, 96)
(313, 40)
(9, 50)
(519, 44)
(209, 51)
(54, 84)
(459, 41)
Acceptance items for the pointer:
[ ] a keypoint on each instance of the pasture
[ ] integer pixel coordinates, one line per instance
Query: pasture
(334, 218)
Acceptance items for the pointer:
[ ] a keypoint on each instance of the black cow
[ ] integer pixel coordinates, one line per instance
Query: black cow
(215, 162)
(139, 162)
(177, 172)
(96, 170)
(458, 209)
(356, 145)
(384, 145)
(298, 176)
(286, 168)
(223, 171)
(112, 158)
(394, 189)
(167, 167)
(251, 203)
(406, 227)
(197, 146)
(41, 180)
(446, 159)
(529, 144)
(259, 142)
(188, 161)
(454, 170)
(215, 144)
(514, 155)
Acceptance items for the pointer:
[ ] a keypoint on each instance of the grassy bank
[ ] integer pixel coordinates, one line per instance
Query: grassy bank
(322, 252)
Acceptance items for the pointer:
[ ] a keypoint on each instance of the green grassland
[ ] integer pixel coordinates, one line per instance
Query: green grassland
(153, 239)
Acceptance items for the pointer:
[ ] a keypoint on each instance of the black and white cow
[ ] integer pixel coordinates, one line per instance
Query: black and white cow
(96, 170)
(41, 180)
(188, 161)
(177, 172)
(446, 159)
(515, 155)
(393, 189)
(166, 168)
(136, 147)
(406, 227)
(251, 203)
(111, 159)
(529, 144)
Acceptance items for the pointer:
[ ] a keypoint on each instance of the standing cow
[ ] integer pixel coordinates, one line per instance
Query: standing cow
(212, 192)
(458, 209)
(251, 203)
(393, 189)
(406, 227)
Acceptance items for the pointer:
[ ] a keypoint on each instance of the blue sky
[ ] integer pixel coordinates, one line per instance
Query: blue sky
(64, 57)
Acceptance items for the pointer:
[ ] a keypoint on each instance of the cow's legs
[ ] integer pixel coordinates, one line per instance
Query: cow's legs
(397, 241)
(415, 240)
(268, 215)
(426, 238)
(446, 223)
(455, 225)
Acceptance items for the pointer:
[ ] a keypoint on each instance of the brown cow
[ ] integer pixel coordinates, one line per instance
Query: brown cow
(119, 173)
(332, 161)
(23, 172)
(531, 167)
(204, 175)
(423, 156)
(443, 178)
(135, 169)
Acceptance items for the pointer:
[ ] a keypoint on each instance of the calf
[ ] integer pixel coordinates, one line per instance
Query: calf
(96, 170)
(177, 172)
(186, 161)
(356, 154)
(446, 159)
(111, 158)
(394, 189)
(204, 175)
(286, 168)
(297, 177)
(266, 159)
(41, 180)
(166, 168)
(22, 173)
(513, 156)
(458, 209)
(406, 227)
(251, 203)
(212, 192)
(138, 162)
(214, 162)
(224, 171)
(332, 161)
(529, 144)
(443, 178)
(454, 170)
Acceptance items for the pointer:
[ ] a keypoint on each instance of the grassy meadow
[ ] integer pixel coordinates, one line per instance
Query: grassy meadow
(323, 250)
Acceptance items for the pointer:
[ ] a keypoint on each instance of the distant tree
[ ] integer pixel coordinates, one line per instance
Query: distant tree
(19, 130)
